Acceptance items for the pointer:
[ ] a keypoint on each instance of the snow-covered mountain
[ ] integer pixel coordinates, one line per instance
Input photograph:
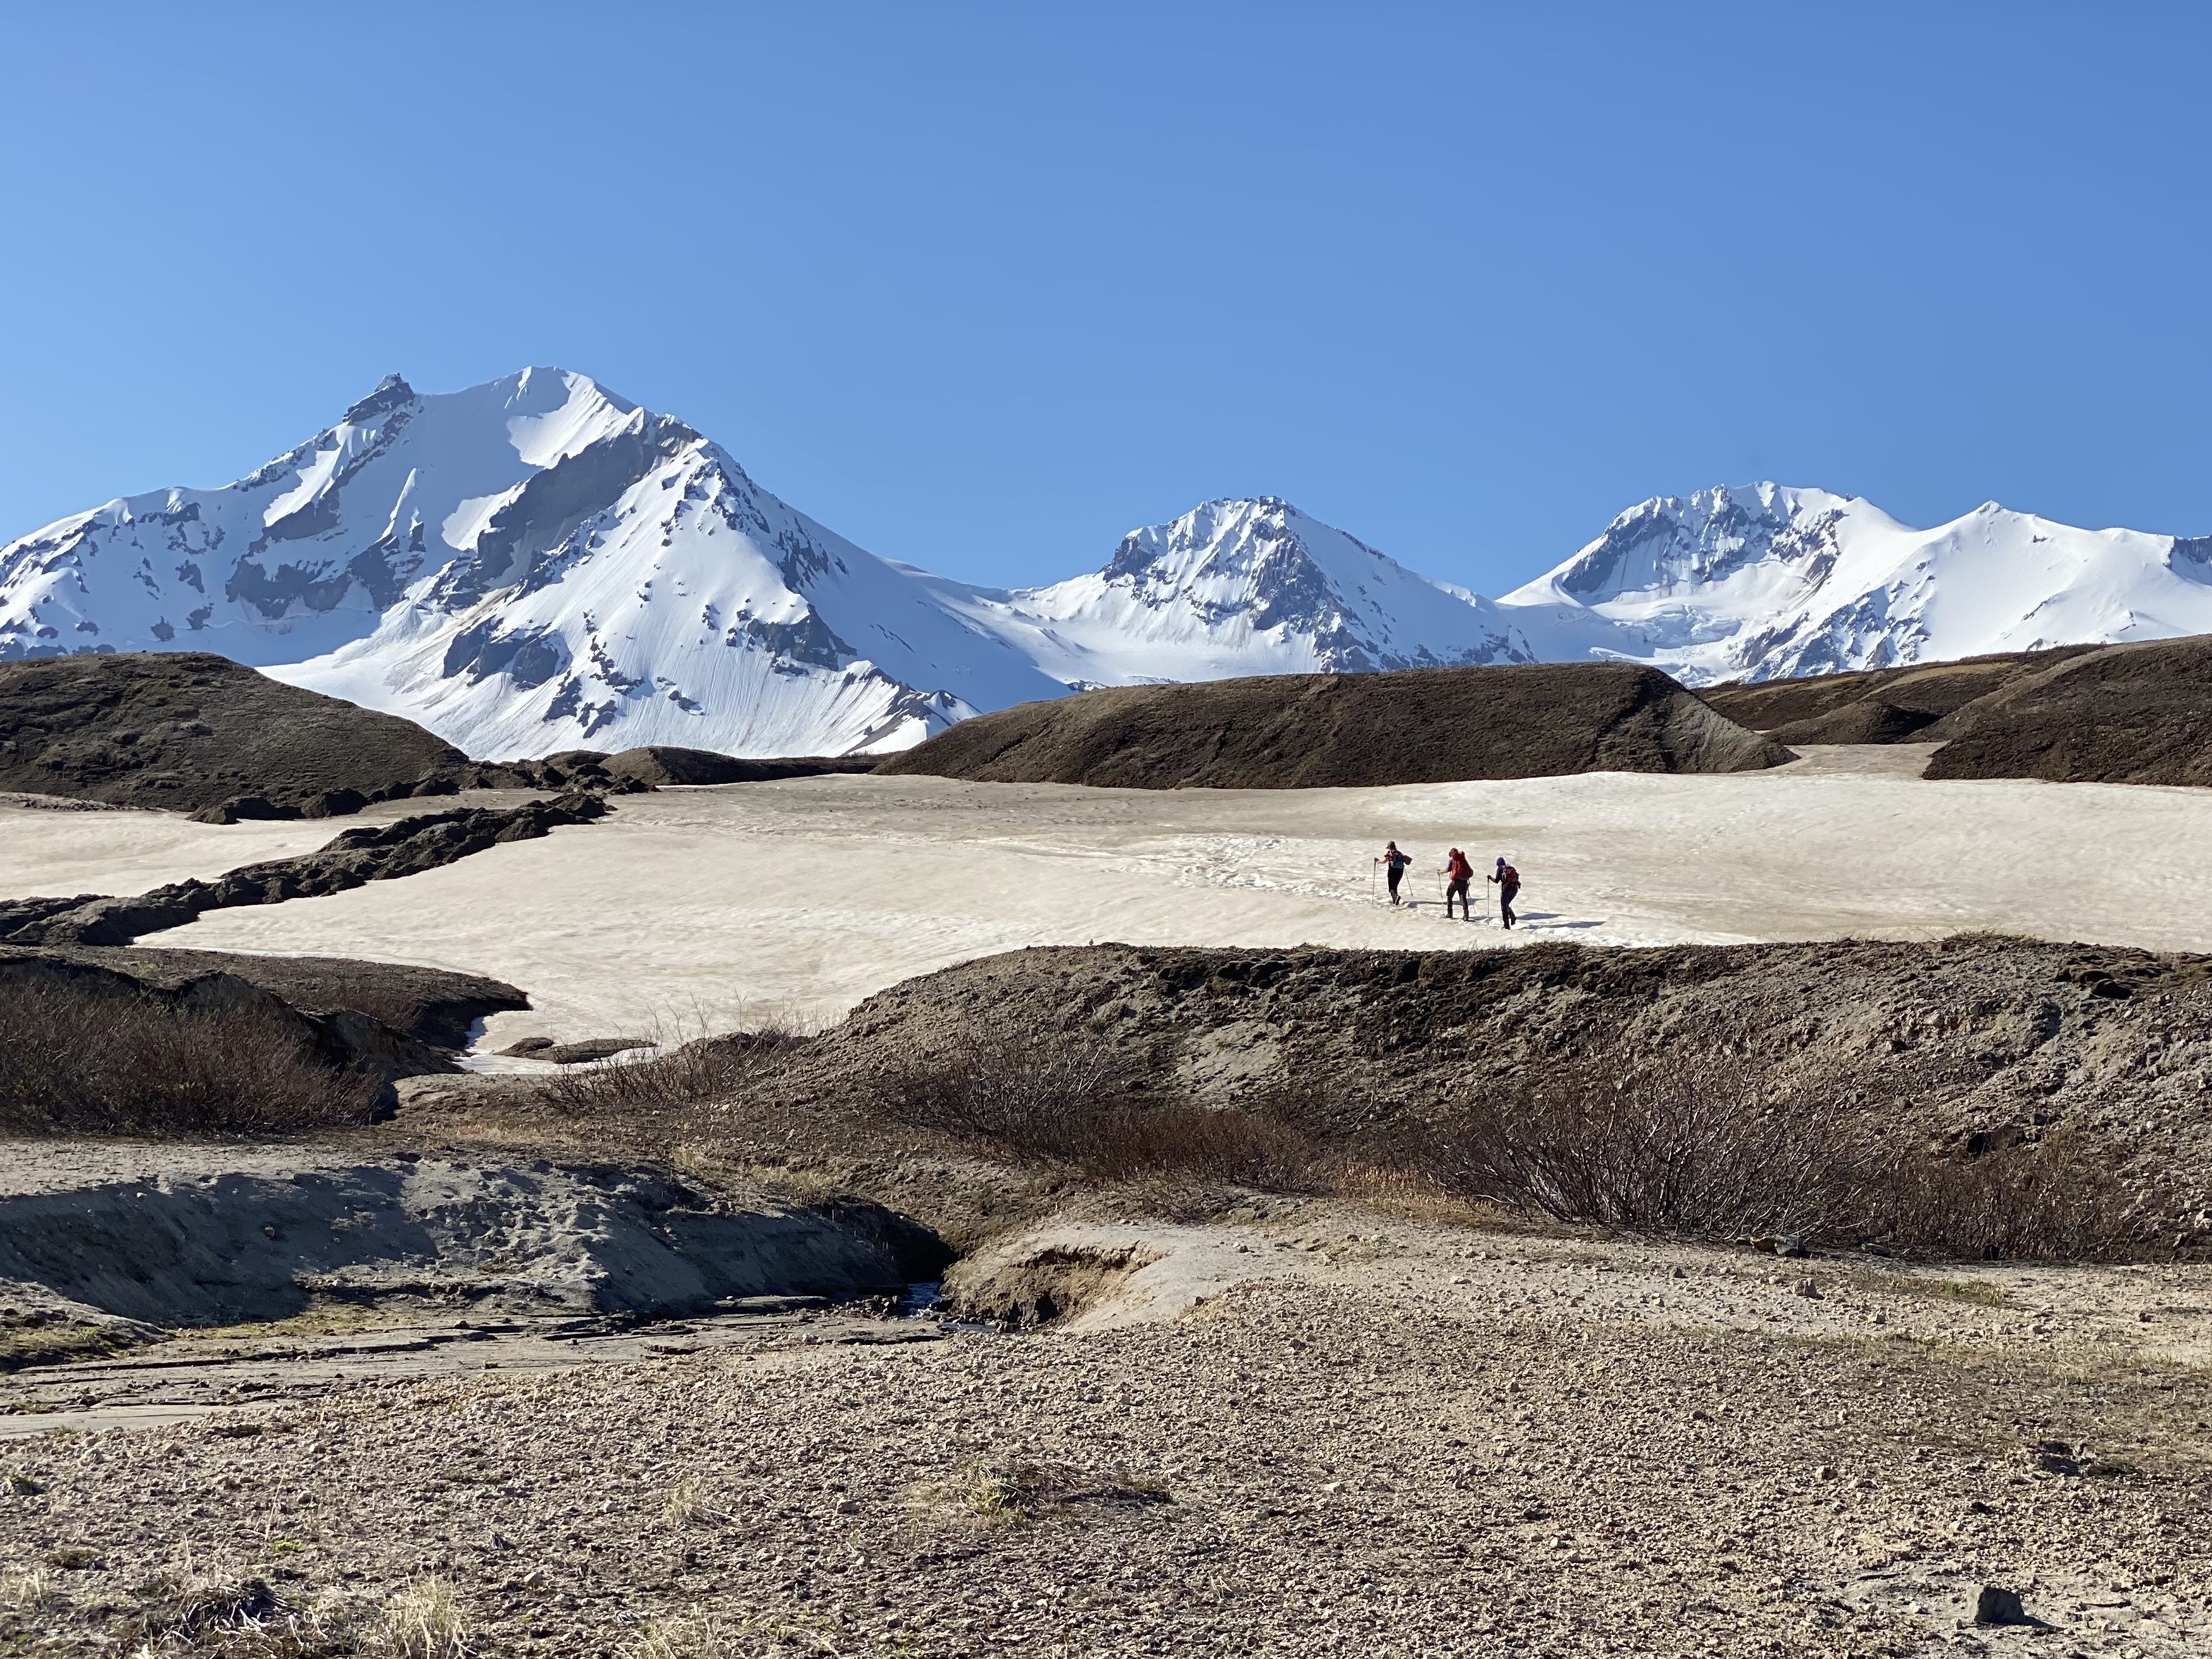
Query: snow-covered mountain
(526, 566)
(537, 564)
(1256, 586)
(1765, 582)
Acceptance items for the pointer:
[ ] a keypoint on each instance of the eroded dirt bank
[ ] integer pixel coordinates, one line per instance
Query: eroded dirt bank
(1979, 1042)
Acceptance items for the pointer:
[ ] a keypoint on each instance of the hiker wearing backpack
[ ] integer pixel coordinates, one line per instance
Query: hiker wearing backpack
(1508, 883)
(1394, 863)
(1459, 873)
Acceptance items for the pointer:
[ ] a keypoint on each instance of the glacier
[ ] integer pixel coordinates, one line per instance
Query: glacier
(537, 563)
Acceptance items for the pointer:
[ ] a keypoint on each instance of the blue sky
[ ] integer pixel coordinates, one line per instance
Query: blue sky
(984, 287)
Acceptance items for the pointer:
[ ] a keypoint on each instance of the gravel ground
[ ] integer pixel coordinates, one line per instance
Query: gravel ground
(1373, 1437)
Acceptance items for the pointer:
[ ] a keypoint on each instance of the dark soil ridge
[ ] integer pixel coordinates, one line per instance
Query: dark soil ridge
(188, 730)
(195, 733)
(2129, 714)
(1978, 1042)
(1323, 731)
(353, 858)
(2139, 713)
(1879, 705)
(627, 772)
(371, 1019)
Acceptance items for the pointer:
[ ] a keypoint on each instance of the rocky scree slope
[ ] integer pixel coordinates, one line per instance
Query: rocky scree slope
(2131, 714)
(1973, 1042)
(1418, 726)
(1877, 705)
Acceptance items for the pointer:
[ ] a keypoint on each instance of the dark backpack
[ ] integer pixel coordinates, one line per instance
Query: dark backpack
(1509, 876)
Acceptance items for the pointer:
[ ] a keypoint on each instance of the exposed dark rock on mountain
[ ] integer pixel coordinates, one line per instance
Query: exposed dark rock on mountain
(186, 730)
(1318, 731)
(659, 763)
(379, 853)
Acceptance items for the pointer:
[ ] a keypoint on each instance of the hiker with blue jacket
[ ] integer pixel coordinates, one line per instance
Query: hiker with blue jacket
(1394, 863)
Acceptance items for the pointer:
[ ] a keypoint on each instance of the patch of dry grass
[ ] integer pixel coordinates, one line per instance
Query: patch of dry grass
(704, 1068)
(421, 1620)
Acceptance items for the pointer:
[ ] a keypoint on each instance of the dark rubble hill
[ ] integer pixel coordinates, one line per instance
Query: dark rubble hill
(1321, 731)
(2140, 713)
(1977, 1042)
(187, 730)
(1878, 705)
(2129, 714)
(664, 763)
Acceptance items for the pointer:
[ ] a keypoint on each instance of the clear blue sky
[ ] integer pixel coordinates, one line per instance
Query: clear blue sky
(984, 287)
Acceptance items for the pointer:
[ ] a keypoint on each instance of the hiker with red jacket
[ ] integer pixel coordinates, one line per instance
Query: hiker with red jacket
(1508, 883)
(1459, 873)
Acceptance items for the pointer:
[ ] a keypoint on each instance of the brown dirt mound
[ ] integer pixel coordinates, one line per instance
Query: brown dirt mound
(1979, 1043)
(189, 730)
(659, 763)
(1877, 705)
(1321, 730)
(99, 1040)
(2127, 713)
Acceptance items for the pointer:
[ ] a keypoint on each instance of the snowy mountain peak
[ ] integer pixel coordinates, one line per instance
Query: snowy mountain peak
(391, 392)
(1673, 541)
(1243, 585)
(1763, 581)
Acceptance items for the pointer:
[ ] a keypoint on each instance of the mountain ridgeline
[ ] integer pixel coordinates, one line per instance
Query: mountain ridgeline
(537, 564)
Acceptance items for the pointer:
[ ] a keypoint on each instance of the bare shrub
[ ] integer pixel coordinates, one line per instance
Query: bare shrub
(703, 1069)
(1068, 1097)
(1705, 1150)
(2057, 1198)
(1665, 1150)
(109, 1063)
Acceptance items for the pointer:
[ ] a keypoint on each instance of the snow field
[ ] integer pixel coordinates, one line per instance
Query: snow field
(713, 906)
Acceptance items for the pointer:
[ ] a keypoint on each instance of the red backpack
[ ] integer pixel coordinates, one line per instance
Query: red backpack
(1509, 876)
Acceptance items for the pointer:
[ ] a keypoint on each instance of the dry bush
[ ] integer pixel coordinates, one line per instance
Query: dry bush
(1069, 1097)
(117, 1063)
(703, 1069)
(2056, 1198)
(1705, 1150)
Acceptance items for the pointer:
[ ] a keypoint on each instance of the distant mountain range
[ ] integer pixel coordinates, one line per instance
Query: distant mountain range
(537, 564)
